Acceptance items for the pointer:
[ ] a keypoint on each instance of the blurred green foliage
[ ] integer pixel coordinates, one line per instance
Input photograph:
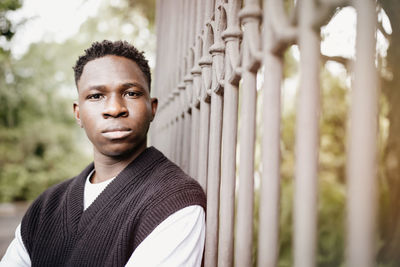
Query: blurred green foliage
(40, 143)
(331, 173)
(6, 28)
(36, 145)
(331, 194)
(37, 131)
(147, 7)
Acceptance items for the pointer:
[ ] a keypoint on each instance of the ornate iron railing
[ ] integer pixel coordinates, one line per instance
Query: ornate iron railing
(209, 50)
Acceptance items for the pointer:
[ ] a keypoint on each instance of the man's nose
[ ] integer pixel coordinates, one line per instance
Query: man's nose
(115, 107)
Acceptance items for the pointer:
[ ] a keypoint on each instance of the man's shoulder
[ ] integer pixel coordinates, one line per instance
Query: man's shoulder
(58, 191)
(170, 182)
(54, 191)
(166, 190)
(171, 174)
(61, 187)
(158, 179)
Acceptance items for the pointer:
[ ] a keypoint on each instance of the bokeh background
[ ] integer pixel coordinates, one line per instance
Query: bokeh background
(40, 143)
(40, 40)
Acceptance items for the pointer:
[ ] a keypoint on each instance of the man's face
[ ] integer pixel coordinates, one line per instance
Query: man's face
(114, 105)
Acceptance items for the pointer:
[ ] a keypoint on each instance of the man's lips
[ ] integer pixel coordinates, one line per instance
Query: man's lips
(116, 133)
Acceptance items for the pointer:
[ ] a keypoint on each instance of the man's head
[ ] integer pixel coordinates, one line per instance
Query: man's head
(114, 105)
(117, 48)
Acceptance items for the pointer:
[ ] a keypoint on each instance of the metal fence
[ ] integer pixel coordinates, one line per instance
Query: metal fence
(208, 51)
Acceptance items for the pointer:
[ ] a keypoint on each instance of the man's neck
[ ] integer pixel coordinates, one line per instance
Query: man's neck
(107, 167)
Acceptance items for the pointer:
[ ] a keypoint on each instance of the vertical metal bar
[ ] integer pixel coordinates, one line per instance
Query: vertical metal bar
(186, 142)
(167, 130)
(213, 180)
(159, 59)
(171, 127)
(165, 138)
(209, 10)
(250, 15)
(229, 137)
(180, 130)
(155, 124)
(169, 47)
(195, 103)
(188, 80)
(203, 140)
(171, 77)
(195, 125)
(244, 230)
(179, 45)
(174, 127)
(270, 182)
(362, 165)
(179, 86)
(168, 74)
(171, 131)
(185, 29)
(159, 24)
(192, 22)
(187, 120)
(307, 139)
(214, 160)
(199, 16)
(205, 64)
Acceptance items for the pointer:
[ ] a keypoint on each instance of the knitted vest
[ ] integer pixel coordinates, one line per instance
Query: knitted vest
(56, 231)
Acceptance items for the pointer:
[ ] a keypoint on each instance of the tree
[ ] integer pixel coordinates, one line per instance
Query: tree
(391, 91)
(6, 28)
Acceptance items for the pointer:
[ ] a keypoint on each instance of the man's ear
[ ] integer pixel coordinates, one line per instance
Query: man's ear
(154, 104)
(76, 113)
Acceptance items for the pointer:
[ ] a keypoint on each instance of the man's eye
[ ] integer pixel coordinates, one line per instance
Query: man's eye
(132, 94)
(94, 96)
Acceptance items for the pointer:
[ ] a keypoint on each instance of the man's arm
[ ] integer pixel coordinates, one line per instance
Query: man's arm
(16, 254)
(177, 241)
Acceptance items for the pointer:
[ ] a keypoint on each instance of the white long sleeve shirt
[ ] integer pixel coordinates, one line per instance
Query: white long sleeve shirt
(177, 241)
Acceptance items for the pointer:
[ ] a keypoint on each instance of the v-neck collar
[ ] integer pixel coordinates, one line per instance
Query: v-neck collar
(77, 218)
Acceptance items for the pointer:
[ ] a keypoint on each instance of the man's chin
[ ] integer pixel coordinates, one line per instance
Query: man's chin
(122, 153)
(118, 153)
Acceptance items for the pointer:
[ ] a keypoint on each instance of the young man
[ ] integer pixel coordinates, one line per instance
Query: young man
(131, 206)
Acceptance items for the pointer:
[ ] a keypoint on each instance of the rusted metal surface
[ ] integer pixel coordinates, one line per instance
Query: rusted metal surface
(208, 55)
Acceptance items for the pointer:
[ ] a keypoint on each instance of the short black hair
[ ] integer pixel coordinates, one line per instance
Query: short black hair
(117, 48)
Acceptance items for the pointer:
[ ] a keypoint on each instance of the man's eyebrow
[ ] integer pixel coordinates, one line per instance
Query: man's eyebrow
(97, 87)
(122, 86)
(132, 84)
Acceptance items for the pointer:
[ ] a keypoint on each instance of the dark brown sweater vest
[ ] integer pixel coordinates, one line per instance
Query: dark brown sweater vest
(57, 232)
